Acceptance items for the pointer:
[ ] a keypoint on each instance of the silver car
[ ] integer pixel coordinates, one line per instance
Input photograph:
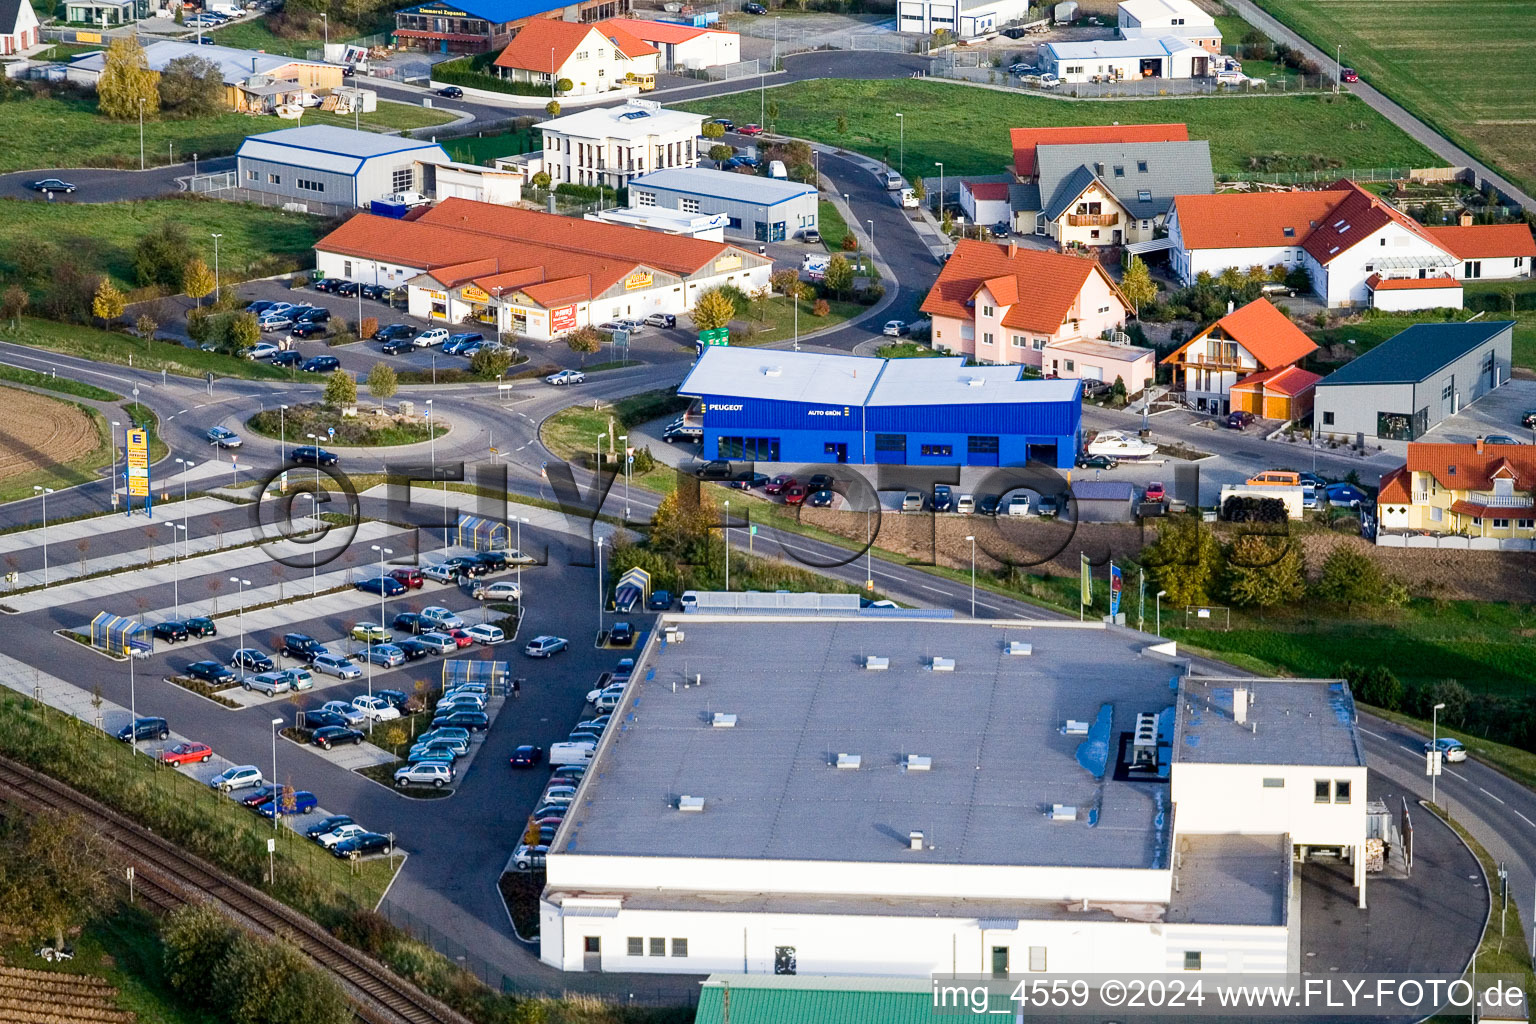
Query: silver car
(270, 683)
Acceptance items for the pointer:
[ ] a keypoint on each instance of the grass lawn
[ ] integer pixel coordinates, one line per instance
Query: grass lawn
(778, 320)
(906, 350)
(253, 34)
(1368, 333)
(258, 240)
(967, 128)
(831, 225)
(1424, 55)
(66, 131)
(63, 385)
(389, 117)
(482, 149)
(354, 431)
(107, 347)
(572, 432)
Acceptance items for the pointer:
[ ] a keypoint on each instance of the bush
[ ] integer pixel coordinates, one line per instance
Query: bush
(368, 327)
(871, 295)
(463, 72)
(820, 308)
(488, 364)
(1247, 509)
(850, 243)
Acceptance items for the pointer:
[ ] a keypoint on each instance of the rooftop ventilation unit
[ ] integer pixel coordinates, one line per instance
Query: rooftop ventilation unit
(850, 761)
(690, 803)
(1144, 741)
(914, 840)
(723, 721)
(1063, 812)
(773, 371)
(918, 763)
(1240, 705)
(877, 664)
(1019, 647)
(1075, 728)
(943, 664)
(975, 382)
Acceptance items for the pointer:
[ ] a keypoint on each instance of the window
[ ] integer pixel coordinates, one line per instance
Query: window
(1070, 366)
(982, 444)
(1141, 166)
(986, 338)
(1191, 959)
(402, 178)
(1320, 791)
(1093, 234)
(1527, 524)
(1341, 791)
(999, 961)
(1019, 341)
(252, 176)
(649, 199)
(784, 960)
(934, 451)
(688, 205)
(1039, 344)
(658, 947)
(1274, 783)
(1436, 514)
(890, 442)
(274, 179)
(1472, 268)
(1289, 232)
(986, 310)
(310, 186)
(1327, 419)
(1447, 390)
(679, 947)
(1501, 524)
(733, 222)
(1037, 958)
(1119, 171)
(636, 946)
(1144, 195)
(581, 54)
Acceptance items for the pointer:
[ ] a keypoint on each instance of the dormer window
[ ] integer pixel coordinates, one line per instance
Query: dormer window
(1119, 171)
(1450, 470)
(1503, 488)
(1289, 232)
(1141, 166)
(1144, 195)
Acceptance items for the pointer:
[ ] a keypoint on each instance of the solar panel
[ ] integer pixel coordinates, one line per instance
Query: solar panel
(633, 114)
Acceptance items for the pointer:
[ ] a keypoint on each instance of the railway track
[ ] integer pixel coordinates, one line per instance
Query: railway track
(168, 876)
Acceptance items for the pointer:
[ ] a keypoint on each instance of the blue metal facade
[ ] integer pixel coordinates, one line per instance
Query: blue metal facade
(982, 434)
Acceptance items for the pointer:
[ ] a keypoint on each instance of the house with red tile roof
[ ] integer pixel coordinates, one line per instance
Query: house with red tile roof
(481, 26)
(1357, 249)
(1477, 490)
(19, 30)
(1238, 349)
(593, 57)
(1001, 304)
(535, 274)
(985, 202)
(684, 46)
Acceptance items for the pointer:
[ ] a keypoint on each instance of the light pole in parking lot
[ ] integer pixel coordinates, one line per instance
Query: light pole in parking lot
(176, 562)
(186, 465)
(901, 144)
(624, 443)
(282, 432)
(368, 644)
(315, 438)
(216, 237)
(117, 423)
(520, 521)
(44, 492)
(1159, 602)
(240, 586)
(276, 800)
(727, 546)
(600, 588)
(871, 224)
(973, 575)
(314, 552)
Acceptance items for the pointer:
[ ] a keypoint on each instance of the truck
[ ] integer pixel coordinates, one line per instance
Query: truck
(386, 208)
(909, 199)
(1045, 81)
(408, 199)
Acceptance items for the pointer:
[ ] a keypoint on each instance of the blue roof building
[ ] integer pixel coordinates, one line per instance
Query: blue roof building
(480, 26)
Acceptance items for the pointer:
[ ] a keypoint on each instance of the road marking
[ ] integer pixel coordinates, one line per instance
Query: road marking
(1528, 821)
(988, 607)
(936, 590)
(1486, 793)
(182, 413)
(1460, 776)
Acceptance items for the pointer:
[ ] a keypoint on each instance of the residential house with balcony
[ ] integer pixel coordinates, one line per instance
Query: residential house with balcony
(611, 145)
(481, 26)
(1245, 347)
(1477, 490)
(593, 58)
(1002, 304)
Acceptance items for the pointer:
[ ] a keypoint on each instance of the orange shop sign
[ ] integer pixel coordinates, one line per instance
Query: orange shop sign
(563, 318)
(639, 279)
(472, 294)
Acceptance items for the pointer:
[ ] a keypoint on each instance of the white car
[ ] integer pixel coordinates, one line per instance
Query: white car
(501, 590)
(559, 794)
(338, 665)
(270, 683)
(895, 328)
(526, 858)
(1018, 505)
(461, 701)
(566, 377)
(262, 350)
(238, 777)
(376, 709)
(438, 643)
(485, 633)
(429, 337)
(441, 618)
(424, 773)
(337, 834)
(440, 573)
(350, 714)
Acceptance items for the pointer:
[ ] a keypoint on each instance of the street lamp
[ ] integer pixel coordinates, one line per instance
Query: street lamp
(315, 438)
(314, 552)
(186, 465)
(1338, 68)
(216, 237)
(901, 151)
(240, 586)
(1434, 745)
(277, 801)
(368, 643)
(325, 23)
(727, 547)
(141, 132)
(624, 443)
(601, 590)
(44, 492)
(940, 166)
(1160, 595)
(973, 575)
(115, 425)
(520, 521)
(282, 432)
(176, 563)
(871, 224)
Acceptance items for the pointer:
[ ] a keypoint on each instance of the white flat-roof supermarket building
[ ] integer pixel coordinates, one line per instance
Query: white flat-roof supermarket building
(916, 798)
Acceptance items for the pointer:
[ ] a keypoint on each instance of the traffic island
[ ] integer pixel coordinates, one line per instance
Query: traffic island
(373, 427)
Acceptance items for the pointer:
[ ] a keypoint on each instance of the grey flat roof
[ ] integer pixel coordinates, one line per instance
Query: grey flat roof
(782, 376)
(1103, 490)
(946, 380)
(1231, 879)
(234, 65)
(325, 138)
(1411, 355)
(741, 188)
(1290, 721)
(993, 728)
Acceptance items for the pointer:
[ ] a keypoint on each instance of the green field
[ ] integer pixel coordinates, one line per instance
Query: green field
(482, 149)
(253, 34)
(258, 240)
(1461, 66)
(66, 131)
(967, 128)
(119, 349)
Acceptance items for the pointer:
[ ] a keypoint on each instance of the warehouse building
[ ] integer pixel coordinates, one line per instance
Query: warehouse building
(334, 165)
(1080, 805)
(963, 19)
(809, 407)
(765, 209)
(1401, 388)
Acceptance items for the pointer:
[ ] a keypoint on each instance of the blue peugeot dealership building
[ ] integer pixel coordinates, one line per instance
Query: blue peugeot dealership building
(772, 406)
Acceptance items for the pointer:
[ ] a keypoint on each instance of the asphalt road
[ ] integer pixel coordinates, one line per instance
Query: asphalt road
(105, 185)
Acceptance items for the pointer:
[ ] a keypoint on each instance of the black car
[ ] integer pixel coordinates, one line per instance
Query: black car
(323, 720)
(145, 729)
(661, 600)
(347, 288)
(819, 482)
(324, 825)
(375, 292)
(413, 649)
(253, 660)
(368, 842)
(201, 626)
(622, 634)
(259, 307)
(396, 698)
(754, 8)
(393, 331)
(395, 346)
(1239, 418)
(321, 364)
(327, 284)
(314, 315)
(334, 735)
(719, 469)
(311, 455)
(474, 721)
(1096, 462)
(745, 480)
(819, 499)
(302, 646)
(453, 92)
(51, 185)
(1014, 32)
(410, 622)
(466, 565)
(493, 560)
(987, 504)
(210, 672)
(307, 329)
(291, 357)
(170, 632)
(527, 756)
(943, 498)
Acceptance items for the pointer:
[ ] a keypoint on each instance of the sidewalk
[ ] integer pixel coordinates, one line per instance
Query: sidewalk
(61, 534)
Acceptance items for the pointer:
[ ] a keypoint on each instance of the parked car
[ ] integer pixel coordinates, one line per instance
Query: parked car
(440, 618)
(429, 337)
(1156, 491)
(385, 655)
(396, 698)
(795, 494)
(222, 437)
(305, 329)
(317, 719)
(750, 129)
(211, 672)
(269, 683)
(896, 328)
(1349, 75)
(371, 632)
(240, 776)
(337, 665)
(474, 721)
(288, 358)
(527, 756)
(661, 320)
(1018, 505)
(170, 631)
(187, 753)
(622, 634)
(661, 600)
(408, 622)
(467, 565)
(385, 585)
(1500, 439)
(442, 572)
(438, 643)
(912, 501)
(566, 377)
(327, 284)
(987, 504)
(302, 646)
(820, 499)
(307, 454)
(1096, 462)
(294, 803)
(943, 498)
(1346, 495)
(252, 660)
(393, 331)
(965, 504)
(1239, 419)
(320, 364)
(348, 714)
(778, 484)
(424, 773)
(455, 746)
(501, 590)
(338, 833)
(376, 709)
(363, 844)
(334, 735)
(678, 432)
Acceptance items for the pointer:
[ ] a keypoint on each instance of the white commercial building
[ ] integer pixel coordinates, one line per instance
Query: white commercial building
(1142, 19)
(709, 226)
(1119, 60)
(610, 145)
(684, 46)
(925, 795)
(474, 182)
(963, 19)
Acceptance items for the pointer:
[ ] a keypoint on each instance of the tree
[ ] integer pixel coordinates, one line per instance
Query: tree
(196, 938)
(839, 274)
(242, 332)
(785, 282)
(842, 124)
(126, 85)
(713, 130)
(714, 310)
(564, 85)
(773, 110)
(382, 381)
(55, 871)
(1350, 577)
(681, 524)
(340, 388)
(541, 180)
(552, 108)
(1185, 560)
(1265, 572)
(919, 189)
(13, 303)
(584, 341)
(191, 86)
(161, 256)
(108, 303)
(490, 363)
(146, 326)
(1137, 283)
(721, 153)
(197, 279)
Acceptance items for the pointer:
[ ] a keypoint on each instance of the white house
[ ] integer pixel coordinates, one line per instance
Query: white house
(1143, 19)
(684, 46)
(985, 202)
(1209, 233)
(963, 19)
(1119, 60)
(1489, 252)
(594, 58)
(19, 30)
(1364, 235)
(611, 145)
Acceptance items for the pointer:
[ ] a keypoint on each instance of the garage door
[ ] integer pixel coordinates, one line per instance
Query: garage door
(1092, 372)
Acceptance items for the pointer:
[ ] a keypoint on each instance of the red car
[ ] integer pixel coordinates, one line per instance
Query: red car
(461, 638)
(778, 483)
(751, 129)
(1349, 75)
(186, 753)
(1156, 491)
(412, 578)
(794, 494)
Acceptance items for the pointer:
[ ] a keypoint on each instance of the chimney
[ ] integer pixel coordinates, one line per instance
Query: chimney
(1230, 307)
(1479, 444)
(915, 840)
(1240, 705)
(1013, 249)
(1465, 220)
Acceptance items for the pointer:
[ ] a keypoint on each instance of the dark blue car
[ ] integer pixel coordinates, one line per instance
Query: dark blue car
(299, 801)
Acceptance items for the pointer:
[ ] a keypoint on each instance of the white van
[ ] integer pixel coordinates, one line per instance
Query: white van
(571, 753)
(892, 181)
(776, 169)
(909, 199)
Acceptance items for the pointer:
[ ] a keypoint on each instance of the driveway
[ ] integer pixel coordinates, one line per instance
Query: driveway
(107, 185)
